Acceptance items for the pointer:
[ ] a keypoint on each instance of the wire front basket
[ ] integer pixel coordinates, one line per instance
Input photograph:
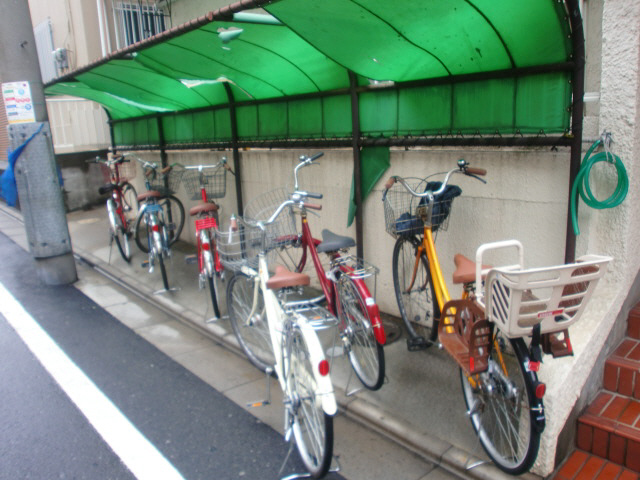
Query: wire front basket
(166, 183)
(127, 170)
(282, 232)
(214, 182)
(239, 248)
(405, 214)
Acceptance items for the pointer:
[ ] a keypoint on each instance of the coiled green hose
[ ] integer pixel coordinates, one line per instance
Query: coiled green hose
(581, 184)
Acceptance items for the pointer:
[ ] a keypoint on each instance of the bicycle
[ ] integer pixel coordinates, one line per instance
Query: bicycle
(496, 334)
(205, 182)
(122, 205)
(151, 223)
(298, 358)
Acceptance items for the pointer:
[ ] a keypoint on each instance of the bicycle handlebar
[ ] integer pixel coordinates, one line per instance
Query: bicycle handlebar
(223, 162)
(463, 167)
(304, 161)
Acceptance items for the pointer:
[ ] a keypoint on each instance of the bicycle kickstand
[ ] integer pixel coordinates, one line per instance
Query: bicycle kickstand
(263, 403)
(295, 476)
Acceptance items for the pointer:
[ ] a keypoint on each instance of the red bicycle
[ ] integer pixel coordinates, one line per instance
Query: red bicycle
(122, 204)
(343, 287)
(205, 182)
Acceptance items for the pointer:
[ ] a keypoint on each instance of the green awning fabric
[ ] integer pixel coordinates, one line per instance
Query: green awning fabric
(424, 68)
(374, 161)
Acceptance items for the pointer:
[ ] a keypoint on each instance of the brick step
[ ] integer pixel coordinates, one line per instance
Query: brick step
(584, 466)
(622, 369)
(610, 428)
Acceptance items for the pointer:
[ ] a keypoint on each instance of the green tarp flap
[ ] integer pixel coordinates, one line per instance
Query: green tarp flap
(408, 56)
(374, 161)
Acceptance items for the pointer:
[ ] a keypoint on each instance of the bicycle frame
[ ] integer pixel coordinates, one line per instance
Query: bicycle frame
(279, 321)
(328, 288)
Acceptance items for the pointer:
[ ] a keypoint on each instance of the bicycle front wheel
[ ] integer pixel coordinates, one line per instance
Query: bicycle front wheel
(312, 427)
(173, 212)
(365, 353)
(499, 401)
(414, 290)
(130, 203)
(121, 236)
(251, 329)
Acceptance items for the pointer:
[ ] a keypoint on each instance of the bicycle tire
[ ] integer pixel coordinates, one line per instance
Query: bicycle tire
(419, 308)
(312, 427)
(213, 289)
(168, 204)
(173, 211)
(130, 204)
(121, 236)
(365, 353)
(163, 270)
(253, 336)
(500, 407)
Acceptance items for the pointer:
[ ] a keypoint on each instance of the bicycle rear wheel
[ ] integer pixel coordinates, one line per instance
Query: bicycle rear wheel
(415, 296)
(312, 427)
(213, 292)
(500, 403)
(365, 353)
(252, 333)
(163, 270)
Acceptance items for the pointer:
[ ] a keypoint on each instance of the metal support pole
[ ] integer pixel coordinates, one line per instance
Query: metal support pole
(234, 144)
(39, 190)
(577, 109)
(355, 144)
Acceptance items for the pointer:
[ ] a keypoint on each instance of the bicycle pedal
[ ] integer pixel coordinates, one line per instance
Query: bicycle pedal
(190, 259)
(262, 403)
(415, 344)
(145, 264)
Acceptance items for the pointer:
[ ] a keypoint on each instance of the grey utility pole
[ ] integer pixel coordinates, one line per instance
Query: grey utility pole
(36, 175)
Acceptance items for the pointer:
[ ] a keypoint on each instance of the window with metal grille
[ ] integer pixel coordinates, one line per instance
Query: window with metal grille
(137, 21)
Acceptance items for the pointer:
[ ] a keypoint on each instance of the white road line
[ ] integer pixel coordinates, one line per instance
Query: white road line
(136, 452)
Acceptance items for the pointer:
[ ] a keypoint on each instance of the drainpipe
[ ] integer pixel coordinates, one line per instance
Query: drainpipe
(101, 25)
(577, 110)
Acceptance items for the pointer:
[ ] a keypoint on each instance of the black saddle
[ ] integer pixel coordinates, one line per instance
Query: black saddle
(332, 242)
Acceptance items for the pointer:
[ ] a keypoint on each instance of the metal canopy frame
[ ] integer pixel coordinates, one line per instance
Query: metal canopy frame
(356, 141)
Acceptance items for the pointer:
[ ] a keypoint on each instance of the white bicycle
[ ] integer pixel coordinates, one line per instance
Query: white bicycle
(295, 350)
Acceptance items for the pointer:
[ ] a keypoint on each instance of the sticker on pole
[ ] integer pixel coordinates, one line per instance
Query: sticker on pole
(18, 102)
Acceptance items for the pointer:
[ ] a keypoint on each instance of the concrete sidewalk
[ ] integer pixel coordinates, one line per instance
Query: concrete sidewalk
(419, 410)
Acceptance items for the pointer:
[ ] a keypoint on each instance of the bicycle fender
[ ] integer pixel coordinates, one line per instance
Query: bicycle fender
(373, 310)
(324, 385)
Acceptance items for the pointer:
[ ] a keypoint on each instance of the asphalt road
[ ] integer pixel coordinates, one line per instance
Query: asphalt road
(45, 435)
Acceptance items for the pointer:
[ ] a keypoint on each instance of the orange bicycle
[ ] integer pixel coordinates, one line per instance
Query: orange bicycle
(499, 329)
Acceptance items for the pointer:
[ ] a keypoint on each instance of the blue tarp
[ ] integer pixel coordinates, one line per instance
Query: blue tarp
(8, 188)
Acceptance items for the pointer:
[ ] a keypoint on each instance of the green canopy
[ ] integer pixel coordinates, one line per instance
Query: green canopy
(427, 68)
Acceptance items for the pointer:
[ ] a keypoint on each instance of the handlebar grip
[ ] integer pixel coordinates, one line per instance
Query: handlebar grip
(314, 195)
(312, 206)
(316, 156)
(390, 183)
(475, 171)
(234, 224)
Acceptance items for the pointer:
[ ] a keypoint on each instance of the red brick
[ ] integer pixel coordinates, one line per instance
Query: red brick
(617, 449)
(628, 475)
(633, 456)
(625, 382)
(625, 347)
(584, 437)
(600, 402)
(610, 376)
(600, 445)
(631, 413)
(633, 324)
(615, 408)
(591, 468)
(609, 472)
(636, 390)
(635, 353)
(572, 466)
